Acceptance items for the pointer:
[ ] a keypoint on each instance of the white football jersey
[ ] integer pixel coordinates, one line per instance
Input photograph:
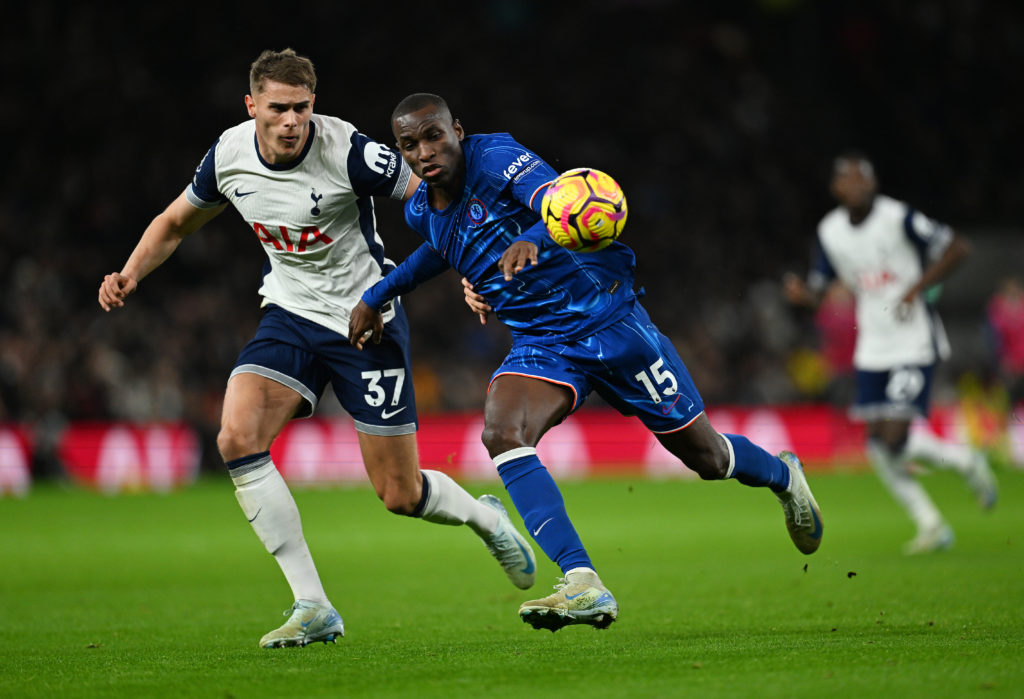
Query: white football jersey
(314, 215)
(879, 260)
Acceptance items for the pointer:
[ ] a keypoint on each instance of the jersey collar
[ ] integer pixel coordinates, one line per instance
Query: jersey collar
(291, 163)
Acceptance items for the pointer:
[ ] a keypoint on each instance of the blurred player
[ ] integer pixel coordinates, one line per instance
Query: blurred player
(303, 182)
(890, 255)
(577, 326)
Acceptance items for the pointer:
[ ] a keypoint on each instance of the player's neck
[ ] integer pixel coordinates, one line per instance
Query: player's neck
(857, 215)
(441, 197)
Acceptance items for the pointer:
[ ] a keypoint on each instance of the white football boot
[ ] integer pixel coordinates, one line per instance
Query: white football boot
(937, 538)
(308, 622)
(579, 598)
(803, 518)
(511, 548)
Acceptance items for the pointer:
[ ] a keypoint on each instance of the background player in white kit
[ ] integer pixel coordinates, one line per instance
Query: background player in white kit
(890, 255)
(303, 182)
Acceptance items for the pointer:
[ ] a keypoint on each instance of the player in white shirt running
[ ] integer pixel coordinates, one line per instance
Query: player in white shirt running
(890, 255)
(304, 183)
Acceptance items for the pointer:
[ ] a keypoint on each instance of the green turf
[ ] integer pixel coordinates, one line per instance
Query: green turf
(150, 595)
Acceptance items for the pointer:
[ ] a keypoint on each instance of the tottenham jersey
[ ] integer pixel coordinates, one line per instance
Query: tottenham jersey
(879, 259)
(565, 296)
(313, 215)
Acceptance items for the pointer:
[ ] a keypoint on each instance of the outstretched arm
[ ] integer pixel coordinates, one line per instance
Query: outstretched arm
(158, 241)
(365, 320)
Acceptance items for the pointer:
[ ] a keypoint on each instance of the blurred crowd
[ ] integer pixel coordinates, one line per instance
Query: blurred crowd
(719, 125)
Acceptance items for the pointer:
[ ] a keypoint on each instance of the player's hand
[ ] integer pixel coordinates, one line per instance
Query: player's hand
(795, 289)
(475, 301)
(364, 323)
(114, 289)
(514, 260)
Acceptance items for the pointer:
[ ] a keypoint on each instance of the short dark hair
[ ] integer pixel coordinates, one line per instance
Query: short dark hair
(284, 66)
(849, 155)
(417, 101)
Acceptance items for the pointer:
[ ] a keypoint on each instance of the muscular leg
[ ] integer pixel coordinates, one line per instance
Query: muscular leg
(392, 464)
(518, 412)
(715, 456)
(255, 410)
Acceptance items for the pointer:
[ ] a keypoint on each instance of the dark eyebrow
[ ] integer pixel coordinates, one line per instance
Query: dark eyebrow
(285, 105)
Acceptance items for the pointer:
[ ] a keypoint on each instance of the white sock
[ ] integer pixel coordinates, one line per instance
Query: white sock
(925, 446)
(271, 510)
(892, 471)
(448, 503)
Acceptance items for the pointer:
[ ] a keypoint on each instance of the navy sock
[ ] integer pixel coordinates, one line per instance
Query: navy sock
(538, 500)
(754, 466)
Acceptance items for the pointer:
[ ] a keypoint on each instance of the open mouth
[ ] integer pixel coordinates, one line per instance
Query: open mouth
(431, 170)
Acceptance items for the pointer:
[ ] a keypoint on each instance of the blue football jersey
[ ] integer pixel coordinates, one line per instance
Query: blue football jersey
(567, 295)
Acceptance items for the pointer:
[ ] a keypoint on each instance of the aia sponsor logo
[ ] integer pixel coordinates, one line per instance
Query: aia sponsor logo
(280, 239)
(476, 211)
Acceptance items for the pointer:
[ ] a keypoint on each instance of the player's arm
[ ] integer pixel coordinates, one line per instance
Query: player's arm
(410, 189)
(810, 293)
(526, 186)
(954, 254)
(366, 320)
(160, 239)
(523, 251)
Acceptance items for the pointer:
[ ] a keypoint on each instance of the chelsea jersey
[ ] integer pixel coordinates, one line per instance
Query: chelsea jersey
(566, 296)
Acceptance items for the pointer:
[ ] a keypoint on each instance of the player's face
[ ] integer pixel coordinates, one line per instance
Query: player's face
(429, 141)
(282, 115)
(853, 184)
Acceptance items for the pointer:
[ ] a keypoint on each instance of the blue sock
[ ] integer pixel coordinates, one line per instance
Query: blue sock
(754, 466)
(538, 500)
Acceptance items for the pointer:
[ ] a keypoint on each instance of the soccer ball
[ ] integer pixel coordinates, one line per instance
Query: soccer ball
(584, 210)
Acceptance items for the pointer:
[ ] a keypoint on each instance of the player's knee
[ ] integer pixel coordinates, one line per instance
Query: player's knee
(708, 462)
(499, 439)
(398, 499)
(232, 444)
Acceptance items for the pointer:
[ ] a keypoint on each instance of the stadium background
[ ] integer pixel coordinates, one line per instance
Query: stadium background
(720, 126)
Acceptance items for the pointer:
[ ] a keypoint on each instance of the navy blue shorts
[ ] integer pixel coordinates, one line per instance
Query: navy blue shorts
(373, 385)
(630, 364)
(899, 393)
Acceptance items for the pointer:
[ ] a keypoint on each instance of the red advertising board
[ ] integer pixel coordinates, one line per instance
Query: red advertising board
(116, 457)
(125, 456)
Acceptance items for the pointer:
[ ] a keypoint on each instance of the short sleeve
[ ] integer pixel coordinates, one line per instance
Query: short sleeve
(928, 235)
(375, 169)
(203, 192)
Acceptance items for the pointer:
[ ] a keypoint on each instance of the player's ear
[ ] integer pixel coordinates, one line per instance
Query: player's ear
(250, 105)
(457, 126)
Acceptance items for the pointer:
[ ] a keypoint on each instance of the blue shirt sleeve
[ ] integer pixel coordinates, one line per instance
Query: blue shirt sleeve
(375, 169)
(425, 263)
(524, 173)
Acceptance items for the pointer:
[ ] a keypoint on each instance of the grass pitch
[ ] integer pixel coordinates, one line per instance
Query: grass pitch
(150, 595)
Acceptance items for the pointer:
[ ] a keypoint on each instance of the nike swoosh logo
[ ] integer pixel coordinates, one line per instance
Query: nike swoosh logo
(243, 194)
(577, 594)
(816, 534)
(384, 414)
(537, 530)
(526, 554)
(666, 409)
(255, 515)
